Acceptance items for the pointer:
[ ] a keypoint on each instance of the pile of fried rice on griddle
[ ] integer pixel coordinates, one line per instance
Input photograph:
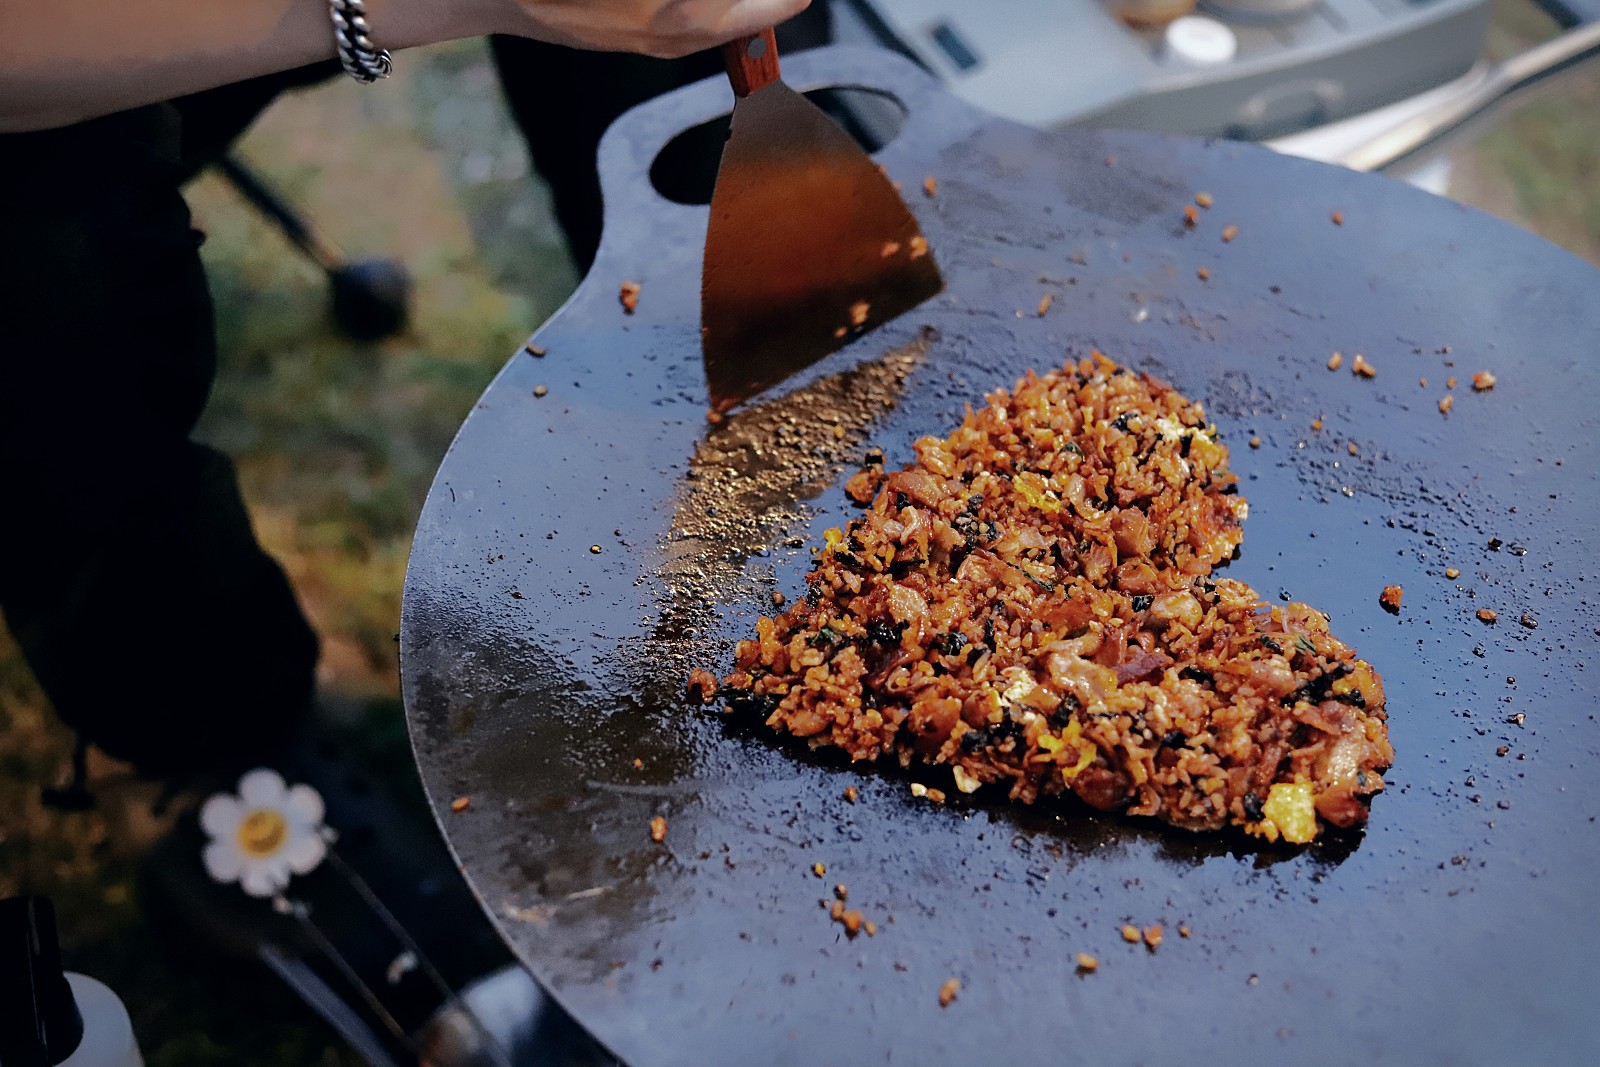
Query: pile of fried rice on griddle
(1032, 604)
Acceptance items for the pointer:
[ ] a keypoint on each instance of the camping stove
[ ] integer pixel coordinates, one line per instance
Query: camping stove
(1245, 69)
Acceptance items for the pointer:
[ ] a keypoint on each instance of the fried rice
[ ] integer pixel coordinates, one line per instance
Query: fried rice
(1033, 605)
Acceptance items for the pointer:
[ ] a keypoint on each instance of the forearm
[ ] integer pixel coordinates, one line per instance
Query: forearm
(63, 61)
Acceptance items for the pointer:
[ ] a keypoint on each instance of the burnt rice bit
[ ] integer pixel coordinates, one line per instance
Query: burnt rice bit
(1032, 605)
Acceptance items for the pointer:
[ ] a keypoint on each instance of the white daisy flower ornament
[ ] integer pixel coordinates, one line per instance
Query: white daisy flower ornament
(265, 834)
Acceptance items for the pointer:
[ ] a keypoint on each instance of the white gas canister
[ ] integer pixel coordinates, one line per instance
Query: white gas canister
(48, 1017)
(108, 1039)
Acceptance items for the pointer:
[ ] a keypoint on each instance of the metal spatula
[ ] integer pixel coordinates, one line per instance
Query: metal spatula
(809, 245)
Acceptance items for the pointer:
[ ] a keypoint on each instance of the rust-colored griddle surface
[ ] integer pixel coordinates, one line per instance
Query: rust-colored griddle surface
(543, 679)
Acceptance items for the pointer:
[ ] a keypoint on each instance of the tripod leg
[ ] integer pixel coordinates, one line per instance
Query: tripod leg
(369, 296)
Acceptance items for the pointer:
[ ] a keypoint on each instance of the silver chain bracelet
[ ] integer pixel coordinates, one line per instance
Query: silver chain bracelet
(362, 60)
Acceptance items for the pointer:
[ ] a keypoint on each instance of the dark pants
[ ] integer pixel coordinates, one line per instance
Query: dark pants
(129, 573)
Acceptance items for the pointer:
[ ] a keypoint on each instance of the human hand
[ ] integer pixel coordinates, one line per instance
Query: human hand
(662, 28)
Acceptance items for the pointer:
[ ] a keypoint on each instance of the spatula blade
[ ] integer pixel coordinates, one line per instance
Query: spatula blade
(809, 246)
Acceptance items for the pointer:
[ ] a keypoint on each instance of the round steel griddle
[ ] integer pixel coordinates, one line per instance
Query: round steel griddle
(1458, 929)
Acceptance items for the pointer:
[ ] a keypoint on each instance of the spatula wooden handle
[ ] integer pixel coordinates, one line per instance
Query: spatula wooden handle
(752, 62)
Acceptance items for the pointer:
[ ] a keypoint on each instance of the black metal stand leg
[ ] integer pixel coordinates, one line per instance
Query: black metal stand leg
(369, 296)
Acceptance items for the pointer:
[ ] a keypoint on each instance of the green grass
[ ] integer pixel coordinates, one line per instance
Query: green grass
(1540, 166)
(336, 442)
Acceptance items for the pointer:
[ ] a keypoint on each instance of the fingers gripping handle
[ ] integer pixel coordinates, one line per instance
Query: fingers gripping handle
(752, 62)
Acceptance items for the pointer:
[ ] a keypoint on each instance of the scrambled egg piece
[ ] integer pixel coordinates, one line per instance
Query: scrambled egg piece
(1291, 809)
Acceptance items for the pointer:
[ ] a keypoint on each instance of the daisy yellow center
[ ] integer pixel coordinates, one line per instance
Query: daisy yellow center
(262, 832)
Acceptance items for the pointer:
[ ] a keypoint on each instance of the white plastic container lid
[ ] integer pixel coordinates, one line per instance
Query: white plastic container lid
(1201, 41)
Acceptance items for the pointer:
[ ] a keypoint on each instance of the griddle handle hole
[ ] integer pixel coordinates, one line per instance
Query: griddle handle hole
(685, 170)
